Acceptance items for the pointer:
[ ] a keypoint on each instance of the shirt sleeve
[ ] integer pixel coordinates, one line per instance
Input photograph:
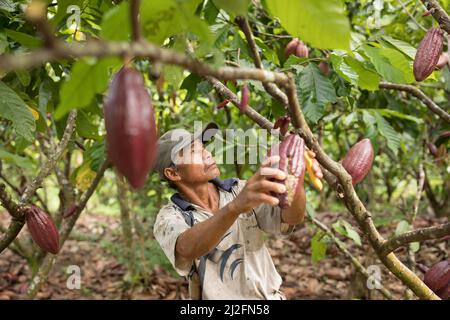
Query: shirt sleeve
(168, 226)
(269, 217)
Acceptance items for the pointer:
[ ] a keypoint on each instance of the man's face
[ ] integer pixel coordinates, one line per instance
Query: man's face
(195, 164)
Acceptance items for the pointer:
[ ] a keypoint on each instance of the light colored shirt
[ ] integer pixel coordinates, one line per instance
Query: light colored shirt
(240, 267)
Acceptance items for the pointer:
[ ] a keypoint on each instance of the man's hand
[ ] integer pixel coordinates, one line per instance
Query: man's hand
(315, 166)
(259, 187)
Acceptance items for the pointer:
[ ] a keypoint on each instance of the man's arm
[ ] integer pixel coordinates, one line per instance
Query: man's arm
(204, 236)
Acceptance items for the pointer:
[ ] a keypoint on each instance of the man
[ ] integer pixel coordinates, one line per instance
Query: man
(212, 231)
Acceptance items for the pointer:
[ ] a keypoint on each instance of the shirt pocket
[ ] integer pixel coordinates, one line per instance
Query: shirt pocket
(252, 235)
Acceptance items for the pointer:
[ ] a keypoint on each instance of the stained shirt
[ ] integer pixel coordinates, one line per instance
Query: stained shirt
(240, 266)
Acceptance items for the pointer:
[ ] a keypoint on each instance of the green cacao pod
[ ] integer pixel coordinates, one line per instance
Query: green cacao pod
(42, 229)
(291, 152)
(358, 160)
(438, 276)
(428, 53)
(130, 126)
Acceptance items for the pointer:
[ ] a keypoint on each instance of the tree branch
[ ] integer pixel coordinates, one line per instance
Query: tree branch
(36, 13)
(341, 246)
(19, 220)
(438, 14)
(97, 48)
(271, 88)
(134, 18)
(419, 95)
(419, 235)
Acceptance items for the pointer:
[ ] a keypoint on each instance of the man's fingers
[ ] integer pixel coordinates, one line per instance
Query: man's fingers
(269, 173)
(316, 168)
(267, 186)
(270, 200)
(270, 161)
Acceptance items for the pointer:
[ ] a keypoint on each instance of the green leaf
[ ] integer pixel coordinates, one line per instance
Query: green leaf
(387, 131)
(116, 23)
(13, 108)
(88, 77)
(15, 159)
(390, 64)
(210, 12)
(402, 227)
(24, 39)
(45, 95)
(7, 5)
(85, 128)
(163, 18)
(61, 12)
(315, 90)
(3, 43)
(190, 85)
(95, 155)
(367, 79)
(239, 7)
(24, 77)
(318, 246)
(321, 23)
(388, 113)
(414, 247)
(346, 229)
(402, 46)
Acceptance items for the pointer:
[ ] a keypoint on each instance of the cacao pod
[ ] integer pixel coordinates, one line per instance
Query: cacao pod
(438, 276)
(432, 148)
(358, 160)
(444, 293)
(428, 53)
(130, 126)
(223, 104)
(70, 211)
(443, 61)
(317, 183)
(324, 68)
(443, 137)
(245, 97)
(426, 13)
(291, 152)
(42, 229)
(291, 47)
(282, 123)
(302, 50)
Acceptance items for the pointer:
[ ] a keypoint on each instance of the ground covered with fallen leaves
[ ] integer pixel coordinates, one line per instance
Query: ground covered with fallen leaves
(104, 276)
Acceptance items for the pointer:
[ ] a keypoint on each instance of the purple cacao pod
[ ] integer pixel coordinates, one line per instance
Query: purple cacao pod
(358, 160)
(42, 229)
(428, 53)
(130, 126)
(438, 276)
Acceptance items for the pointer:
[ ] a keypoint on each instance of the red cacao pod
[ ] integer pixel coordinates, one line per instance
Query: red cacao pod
(70, 211)
(432, 148)
(438, 276)
(223, 104)
(42, 229)
(291, 152)
(358, 160)
(291, 47)
(443, 137)
(130, 126)
(282, 123)
(324, 68)
(302, 50)
(443, 61)
(444, 293)
(428, 53)
(245, 97)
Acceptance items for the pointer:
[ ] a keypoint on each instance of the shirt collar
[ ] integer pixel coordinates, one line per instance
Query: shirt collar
(225, 185)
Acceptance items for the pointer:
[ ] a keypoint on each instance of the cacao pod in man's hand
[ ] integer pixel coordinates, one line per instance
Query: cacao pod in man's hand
(291, 152)
(358, 160)
(428, 54)
(42, 229)
(130, 126)
(437, 278)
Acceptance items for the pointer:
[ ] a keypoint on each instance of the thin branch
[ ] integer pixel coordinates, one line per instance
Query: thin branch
(438, 14)
(19, 220)
(134, 18)
(341, 246)
(418, 235)
(271, 88)
(419, 95)
(97, 48)
(411, 16)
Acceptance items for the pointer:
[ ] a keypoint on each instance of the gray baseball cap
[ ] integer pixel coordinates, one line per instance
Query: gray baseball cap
(171, 142)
